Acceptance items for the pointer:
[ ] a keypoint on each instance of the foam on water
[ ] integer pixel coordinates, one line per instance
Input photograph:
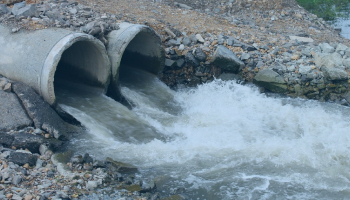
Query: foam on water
(228, 141)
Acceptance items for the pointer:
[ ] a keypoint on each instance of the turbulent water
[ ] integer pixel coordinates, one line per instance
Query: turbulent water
(221, 140)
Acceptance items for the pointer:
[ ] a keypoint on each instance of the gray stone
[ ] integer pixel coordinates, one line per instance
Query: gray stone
(304, 69)
(347, 97)
(28, 141)
(39, 163)
(191, 60)
(40, 111)
(271, 80)
(12, 114)
(245, 56)
(334, 73)
(27, 11)
(230, 77)
(21, 158)
(341, 47)
(18, 6)
(91, 185)
(77, 159)
(306, 52)
(346, 63)
(43, 148)
(181, 47)
(180, 63)
(301, 39)
(6, 139)
(226, 59)
(4, 9)
(186, 41)
(347, 52)
(200, 55)
(16, 179)
(173, 42)
(199, 38)
(326, 48)
(169, 63)
(328, 60)
(193, 38)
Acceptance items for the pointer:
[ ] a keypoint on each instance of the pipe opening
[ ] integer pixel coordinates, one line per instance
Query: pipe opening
(131, 47)
(82, 63)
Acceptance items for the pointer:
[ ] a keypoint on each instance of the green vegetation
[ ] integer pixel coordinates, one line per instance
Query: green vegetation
(327, 9)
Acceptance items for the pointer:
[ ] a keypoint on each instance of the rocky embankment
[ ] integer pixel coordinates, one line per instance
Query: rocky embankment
(280, 47)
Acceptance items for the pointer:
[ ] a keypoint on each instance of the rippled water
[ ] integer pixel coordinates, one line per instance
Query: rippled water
(221, 140)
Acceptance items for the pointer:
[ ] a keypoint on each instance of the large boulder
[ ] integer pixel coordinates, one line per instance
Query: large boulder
(271, 80)
(334, 73)
(22, 157)
(226, 59)
(40, 111)
(12, 114)
(328, 60)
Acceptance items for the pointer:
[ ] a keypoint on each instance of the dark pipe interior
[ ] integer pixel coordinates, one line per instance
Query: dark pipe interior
(81, 63)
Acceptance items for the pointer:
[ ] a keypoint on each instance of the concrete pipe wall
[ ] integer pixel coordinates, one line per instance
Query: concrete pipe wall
(39, 57)
(134, 45)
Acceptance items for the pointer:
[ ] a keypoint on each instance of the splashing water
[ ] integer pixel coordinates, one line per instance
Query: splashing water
(221, 140)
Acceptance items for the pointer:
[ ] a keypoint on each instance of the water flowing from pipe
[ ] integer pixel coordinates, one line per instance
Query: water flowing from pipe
(220, 140)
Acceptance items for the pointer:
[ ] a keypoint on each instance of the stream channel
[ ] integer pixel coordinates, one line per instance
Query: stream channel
(220, 140)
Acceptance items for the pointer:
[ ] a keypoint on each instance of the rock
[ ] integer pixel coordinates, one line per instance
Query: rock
(245, 56)
(87, 158)
(12, 114)
(180, 63)
(347, 97)
(122, 167)
(271, 80)
(43, 148)
(304, 69)
(91, 185)
(181, 47)
(346, 63)
(326, 48)
(186, 41)
(21, 158)
(28, 141)
(199, 38)
(341, 47)
(200, 55)
(181, 5)
(301, 39)
(334, 73)
(169, 63)
(27, 11)
(77, 159)
(6, 139)
(226, 59)
(18, 6)
(191, 60)
(40, 111)
(16, 180)
(28, 197)
(328, 60)
(4, 9)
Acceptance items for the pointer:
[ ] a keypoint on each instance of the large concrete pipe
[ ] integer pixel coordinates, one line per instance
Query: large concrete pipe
(41, 58)
(134, 45)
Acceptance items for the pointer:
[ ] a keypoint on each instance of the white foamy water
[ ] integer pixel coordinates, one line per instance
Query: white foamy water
(223, 140)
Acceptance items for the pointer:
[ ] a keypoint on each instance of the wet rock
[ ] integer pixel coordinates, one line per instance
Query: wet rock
(122, 167)
(21, 158)
(87, 158)
(40, 111)
(12, 114)
(271, 80)
(191, 60)
(226, 59)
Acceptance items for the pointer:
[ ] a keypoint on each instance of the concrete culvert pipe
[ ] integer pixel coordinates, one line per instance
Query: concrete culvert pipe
(41, 58)
(133, 45)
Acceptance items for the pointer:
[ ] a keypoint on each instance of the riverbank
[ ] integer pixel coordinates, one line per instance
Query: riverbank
(280, 47)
